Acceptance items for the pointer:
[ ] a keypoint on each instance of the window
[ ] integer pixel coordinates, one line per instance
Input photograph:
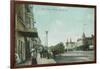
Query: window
(27, 8)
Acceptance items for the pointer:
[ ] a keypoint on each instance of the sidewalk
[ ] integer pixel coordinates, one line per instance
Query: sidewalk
(44, 60)
(28, 62)
(39, 61)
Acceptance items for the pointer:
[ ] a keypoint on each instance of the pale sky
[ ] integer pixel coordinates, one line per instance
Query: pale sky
(63, 23)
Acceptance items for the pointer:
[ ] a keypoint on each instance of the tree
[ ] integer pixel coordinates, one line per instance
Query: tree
(58, 48)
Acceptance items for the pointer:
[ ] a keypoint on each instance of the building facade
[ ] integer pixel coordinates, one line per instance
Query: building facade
(25, 32)
(70, 45)
(85, 43)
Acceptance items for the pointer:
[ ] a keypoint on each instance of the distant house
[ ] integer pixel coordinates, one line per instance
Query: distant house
(85, 43)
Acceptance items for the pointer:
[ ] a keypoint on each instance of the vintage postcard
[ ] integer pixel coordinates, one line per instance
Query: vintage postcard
(51, 34)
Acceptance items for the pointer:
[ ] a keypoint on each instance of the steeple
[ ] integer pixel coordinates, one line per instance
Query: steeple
(67, 41)
(83, 36)
(70, 40)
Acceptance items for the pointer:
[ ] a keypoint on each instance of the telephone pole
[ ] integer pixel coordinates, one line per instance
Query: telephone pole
(46, 42)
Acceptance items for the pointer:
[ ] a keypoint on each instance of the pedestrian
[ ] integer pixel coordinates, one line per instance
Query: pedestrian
(34, 56)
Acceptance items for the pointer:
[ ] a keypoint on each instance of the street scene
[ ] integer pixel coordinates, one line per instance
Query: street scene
(52, 34)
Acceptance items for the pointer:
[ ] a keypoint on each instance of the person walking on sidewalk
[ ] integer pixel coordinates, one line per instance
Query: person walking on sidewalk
(34, 56)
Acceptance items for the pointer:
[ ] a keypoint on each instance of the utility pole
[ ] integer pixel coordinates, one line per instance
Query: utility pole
(46, 43)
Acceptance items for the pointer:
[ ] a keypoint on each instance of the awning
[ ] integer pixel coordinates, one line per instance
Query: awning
(29, 34)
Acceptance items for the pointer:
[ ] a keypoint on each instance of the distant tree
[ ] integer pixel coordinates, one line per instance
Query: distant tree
(58, 48)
